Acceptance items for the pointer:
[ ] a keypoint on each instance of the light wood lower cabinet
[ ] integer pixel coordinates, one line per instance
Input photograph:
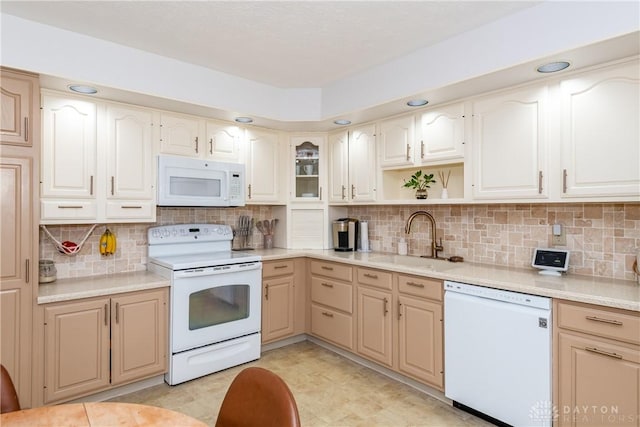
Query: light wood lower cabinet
(283, 297)
(332, 303)
(597, 378)
(400, 323)
(96, 343)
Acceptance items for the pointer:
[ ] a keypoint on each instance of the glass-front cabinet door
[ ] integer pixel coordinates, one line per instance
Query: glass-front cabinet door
(309, 167)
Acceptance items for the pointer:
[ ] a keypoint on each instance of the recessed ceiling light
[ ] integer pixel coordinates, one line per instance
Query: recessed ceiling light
(244, 120)
(417, 102)
(552, 67)
(342, 122)
(87, 90)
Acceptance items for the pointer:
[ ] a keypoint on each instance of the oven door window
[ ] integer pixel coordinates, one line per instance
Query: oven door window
(215, 306)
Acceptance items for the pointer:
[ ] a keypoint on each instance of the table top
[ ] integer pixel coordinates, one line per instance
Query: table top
(98, 414)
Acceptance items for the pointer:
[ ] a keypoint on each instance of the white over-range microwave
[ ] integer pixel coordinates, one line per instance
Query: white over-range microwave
(193, 182)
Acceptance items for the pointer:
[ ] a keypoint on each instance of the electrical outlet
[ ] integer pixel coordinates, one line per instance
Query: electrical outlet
(559, 239)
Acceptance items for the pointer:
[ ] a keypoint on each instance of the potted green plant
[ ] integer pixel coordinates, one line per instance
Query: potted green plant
(420, 182)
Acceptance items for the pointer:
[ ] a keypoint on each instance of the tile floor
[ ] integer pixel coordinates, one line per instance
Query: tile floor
(330, 390)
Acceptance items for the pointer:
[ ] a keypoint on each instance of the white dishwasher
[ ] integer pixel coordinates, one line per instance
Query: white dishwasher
(498, 354)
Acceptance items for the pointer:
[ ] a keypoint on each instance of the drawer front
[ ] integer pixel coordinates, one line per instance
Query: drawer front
(131, 210)
(618, 325)
(421, 287)
(377, 278)
(332, 326)
(333, 270)
(68, 209)
(337, 295)
(277, 268)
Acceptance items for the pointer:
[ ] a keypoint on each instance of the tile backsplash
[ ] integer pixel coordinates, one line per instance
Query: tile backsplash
(602, 238)
(131, 254)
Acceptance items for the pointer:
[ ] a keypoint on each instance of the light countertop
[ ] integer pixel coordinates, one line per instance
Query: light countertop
(622, 294)
(94, 286)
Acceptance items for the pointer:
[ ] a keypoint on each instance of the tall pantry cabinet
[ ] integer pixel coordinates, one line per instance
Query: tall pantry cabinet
(19, 217)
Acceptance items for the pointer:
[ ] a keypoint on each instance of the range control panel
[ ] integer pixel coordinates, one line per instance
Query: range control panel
(186, 233)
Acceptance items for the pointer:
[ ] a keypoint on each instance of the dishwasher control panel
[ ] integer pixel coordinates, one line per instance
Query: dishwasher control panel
(499, 294)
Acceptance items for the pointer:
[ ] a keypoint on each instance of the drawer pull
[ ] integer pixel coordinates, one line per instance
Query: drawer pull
(328, 285)
(324, 267)
(131, 207)
(278, 267)
(324, 313)
(69, 207)
(609, 321)
(371, 276)
(604, 353)
(417, 285)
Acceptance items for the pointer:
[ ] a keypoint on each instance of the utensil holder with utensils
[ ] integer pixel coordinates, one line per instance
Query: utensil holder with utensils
(242, 234)
(267, 228)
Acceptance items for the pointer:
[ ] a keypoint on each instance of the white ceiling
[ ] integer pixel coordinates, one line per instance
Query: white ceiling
(298, 65)
(286, 44)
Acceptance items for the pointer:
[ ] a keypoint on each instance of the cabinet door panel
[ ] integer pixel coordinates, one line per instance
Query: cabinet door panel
(362, 164)
(600, 133)
(597, 380)
(180, 135)
(338, 167)
(76, 349)
(374, 325)
(420, 340)
(277, 318)
(129, 156)
(509, 145)
(262, 166)
(138, 335)
(68, 148)
(18, 99)
(396, 141)
(222, 141)
(442, 134)
(16, 271)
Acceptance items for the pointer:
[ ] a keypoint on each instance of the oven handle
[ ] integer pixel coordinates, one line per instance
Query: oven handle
(212, 271)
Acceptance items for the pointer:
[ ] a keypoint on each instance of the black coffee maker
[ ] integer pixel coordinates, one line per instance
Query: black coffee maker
(346, 234)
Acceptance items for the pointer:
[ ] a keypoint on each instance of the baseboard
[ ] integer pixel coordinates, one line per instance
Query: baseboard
(122, 390)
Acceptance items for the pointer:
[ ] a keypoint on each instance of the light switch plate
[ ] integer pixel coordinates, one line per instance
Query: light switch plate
(560, 239)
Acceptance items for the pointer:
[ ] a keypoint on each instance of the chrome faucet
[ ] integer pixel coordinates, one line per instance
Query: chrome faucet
(435, 248)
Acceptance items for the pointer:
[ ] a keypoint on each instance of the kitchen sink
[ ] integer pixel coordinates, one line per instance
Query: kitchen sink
(414, 261)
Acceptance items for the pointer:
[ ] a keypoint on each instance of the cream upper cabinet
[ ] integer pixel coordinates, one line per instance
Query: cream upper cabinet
(18, 103)
(69, 148)
(601, 133)
(509, 145)
(362, 164)
(352, 165)
(129, 153)
(441, 134)
(338, 166)
(309, 161)
(97, 162)
(180, 135)
(222, 141)
(192, 136)
(396, 141)
(262, 166)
